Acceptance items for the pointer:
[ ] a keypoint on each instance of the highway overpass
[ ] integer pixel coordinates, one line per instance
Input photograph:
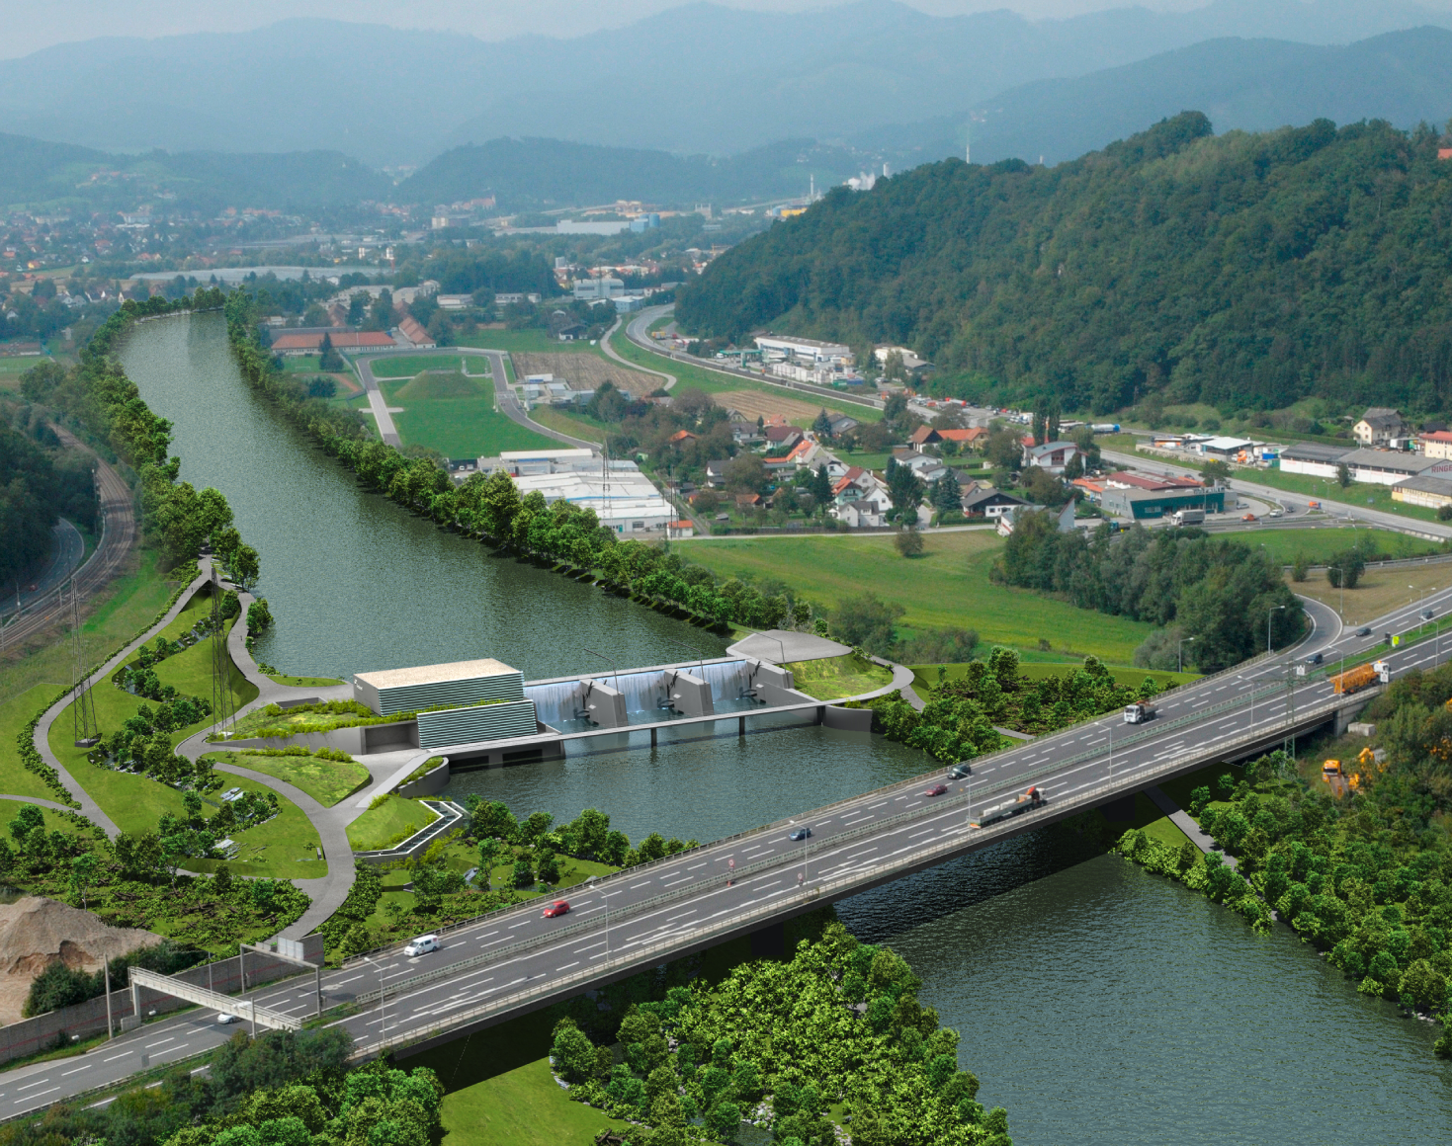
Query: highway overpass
(513, 961)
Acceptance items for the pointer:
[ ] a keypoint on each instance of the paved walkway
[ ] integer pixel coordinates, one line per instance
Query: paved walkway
(1184, 821)
(376, 402)
(52, 804)
(88, 806)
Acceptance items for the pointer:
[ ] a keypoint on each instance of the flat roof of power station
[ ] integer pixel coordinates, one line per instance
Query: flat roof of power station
(433, 674)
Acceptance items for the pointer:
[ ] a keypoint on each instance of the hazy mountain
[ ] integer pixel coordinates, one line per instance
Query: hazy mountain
(35, 173)
(1403, 77)
(700, 78)
(525, 173)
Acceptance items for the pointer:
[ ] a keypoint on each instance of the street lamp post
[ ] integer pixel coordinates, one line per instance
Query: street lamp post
(382, 1002)
(1183, 642)
(605, 898)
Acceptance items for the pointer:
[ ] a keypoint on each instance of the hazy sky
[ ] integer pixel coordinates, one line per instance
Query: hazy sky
(32, 24)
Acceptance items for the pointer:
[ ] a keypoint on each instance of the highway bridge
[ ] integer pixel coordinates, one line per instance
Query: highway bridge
(512, 961)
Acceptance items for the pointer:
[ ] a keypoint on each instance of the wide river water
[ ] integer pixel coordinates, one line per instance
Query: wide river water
(1099, 1004)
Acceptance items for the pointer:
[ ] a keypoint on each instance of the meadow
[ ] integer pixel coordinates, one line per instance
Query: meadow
(948, 586)
(455, 414)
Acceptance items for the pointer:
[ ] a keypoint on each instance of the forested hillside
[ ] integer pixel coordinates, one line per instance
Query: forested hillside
(1243, 270)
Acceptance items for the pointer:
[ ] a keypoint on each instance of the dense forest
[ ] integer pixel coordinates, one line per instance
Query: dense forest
(39, 482)
(1244, 270)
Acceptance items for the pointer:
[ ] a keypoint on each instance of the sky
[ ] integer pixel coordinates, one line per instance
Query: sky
(33, 24)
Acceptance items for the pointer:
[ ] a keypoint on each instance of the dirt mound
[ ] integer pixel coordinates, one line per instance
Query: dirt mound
(36, 932)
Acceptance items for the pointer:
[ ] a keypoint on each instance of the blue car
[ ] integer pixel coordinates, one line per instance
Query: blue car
(801, 834)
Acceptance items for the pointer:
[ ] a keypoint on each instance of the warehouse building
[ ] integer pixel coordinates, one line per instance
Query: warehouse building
(1312, 459)
(1432, 492)
(1145, 504)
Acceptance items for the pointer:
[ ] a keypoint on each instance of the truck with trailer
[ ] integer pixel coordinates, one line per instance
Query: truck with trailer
(1033, 798)
(1189, 517)
(1355, 679)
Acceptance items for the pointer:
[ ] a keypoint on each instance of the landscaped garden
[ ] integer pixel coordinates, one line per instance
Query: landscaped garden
(834, 677)
(389, 820)
(325, 776)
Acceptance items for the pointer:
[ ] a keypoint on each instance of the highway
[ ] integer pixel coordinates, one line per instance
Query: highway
(514, 960)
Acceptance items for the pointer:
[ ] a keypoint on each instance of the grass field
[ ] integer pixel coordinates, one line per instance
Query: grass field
(376, 827)
(522, 1107)
(835, 677)
(326, 781)
(9, 809)
(573, 424)
(286, 847)
(537, 341)
(1379, 591)
(406, 366)
(458, 427)
(926, 676)
(132, 801)
(947, 587)
(303, 681)
(1321, 543)
(32, 681)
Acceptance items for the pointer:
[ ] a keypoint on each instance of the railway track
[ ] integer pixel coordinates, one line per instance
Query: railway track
(118, 538)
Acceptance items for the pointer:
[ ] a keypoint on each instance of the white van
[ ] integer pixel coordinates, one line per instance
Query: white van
(421, 945)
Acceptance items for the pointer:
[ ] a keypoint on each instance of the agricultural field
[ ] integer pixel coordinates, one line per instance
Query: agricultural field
(753, 404)
(454, 414)
(948, 586)
(586, 370)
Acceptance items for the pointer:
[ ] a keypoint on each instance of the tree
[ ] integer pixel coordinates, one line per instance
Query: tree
(906, 490)
(745, 473)
(724, 1120)
(909, 541)
(822, 426)
(331, 361)
(1343, 475)
(1004, 449)
(83, 874)
(946, 495)
(1215, 472)
(866, 621)
(572, 1054)
(821, 487)
(246, 566)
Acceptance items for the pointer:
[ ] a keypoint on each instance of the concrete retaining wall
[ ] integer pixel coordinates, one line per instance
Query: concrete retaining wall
(431, 783)
(30, 1036)
(357, 740)
(849, 719)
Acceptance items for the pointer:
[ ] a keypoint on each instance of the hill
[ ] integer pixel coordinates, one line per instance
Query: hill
(698, 78)
(1251, 85)
(34, 172)
(1246, 270)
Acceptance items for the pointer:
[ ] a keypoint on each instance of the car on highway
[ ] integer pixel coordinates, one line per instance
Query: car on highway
(558, 907)
(1313, 505)
(1314, 659)
(1274, 513)
(1248, 517)
(224, 1018)
(421, 945)
(800, 834)
(960, 771)
(1364, 631)
(936, 790)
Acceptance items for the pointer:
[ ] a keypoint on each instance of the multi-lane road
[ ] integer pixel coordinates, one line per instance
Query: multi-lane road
(514, 960)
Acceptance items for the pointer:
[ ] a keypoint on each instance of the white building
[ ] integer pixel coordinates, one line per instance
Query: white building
(622, 497)
(803, 351)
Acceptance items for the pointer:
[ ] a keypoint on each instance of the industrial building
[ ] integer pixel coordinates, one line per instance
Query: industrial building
(803, 351)
(622, 497)
(1432, 492)
(1142, 504)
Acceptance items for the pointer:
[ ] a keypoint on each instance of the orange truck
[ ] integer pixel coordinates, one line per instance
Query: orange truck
(1354, 679)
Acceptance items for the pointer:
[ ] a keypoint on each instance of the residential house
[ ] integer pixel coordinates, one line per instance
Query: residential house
(682, 436)
(781, 437)
(1380, 427)
(415, 335)
(1437, 444)
(716, 474)
(841, 423)
(1051, 456)
(987, 502)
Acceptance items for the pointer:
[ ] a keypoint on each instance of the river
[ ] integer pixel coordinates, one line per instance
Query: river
(1099, 1004)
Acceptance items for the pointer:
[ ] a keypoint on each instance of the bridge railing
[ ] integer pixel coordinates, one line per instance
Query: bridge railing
(1157, 728)
(792, 900)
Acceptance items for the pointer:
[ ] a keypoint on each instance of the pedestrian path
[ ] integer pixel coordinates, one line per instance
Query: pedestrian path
(1184, 821)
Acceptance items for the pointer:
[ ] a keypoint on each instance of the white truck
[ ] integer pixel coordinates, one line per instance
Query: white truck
(1189, 517)
(1138, 712)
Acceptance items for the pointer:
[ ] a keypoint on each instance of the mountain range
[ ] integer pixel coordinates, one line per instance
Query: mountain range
(700, 78)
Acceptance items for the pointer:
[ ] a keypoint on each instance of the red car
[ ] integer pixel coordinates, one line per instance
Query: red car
(558, 907)
(936, 790)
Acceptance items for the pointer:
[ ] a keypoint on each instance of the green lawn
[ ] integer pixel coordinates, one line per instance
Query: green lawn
(406, 366)
(286, 847)
(1319, 544)
(522, 1107)
(834, 677)
(459, 427)
(326, 781)
(946, 587)
(134, 802)
(302, 364)
(9, 809)
(303, 681)
(535, 341)
(15, 714)
(378, 827)
(577, 425)
(926, 676)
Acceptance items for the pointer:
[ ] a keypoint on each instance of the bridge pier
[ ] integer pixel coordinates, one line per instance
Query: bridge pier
(769, 942)
(741, 726)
